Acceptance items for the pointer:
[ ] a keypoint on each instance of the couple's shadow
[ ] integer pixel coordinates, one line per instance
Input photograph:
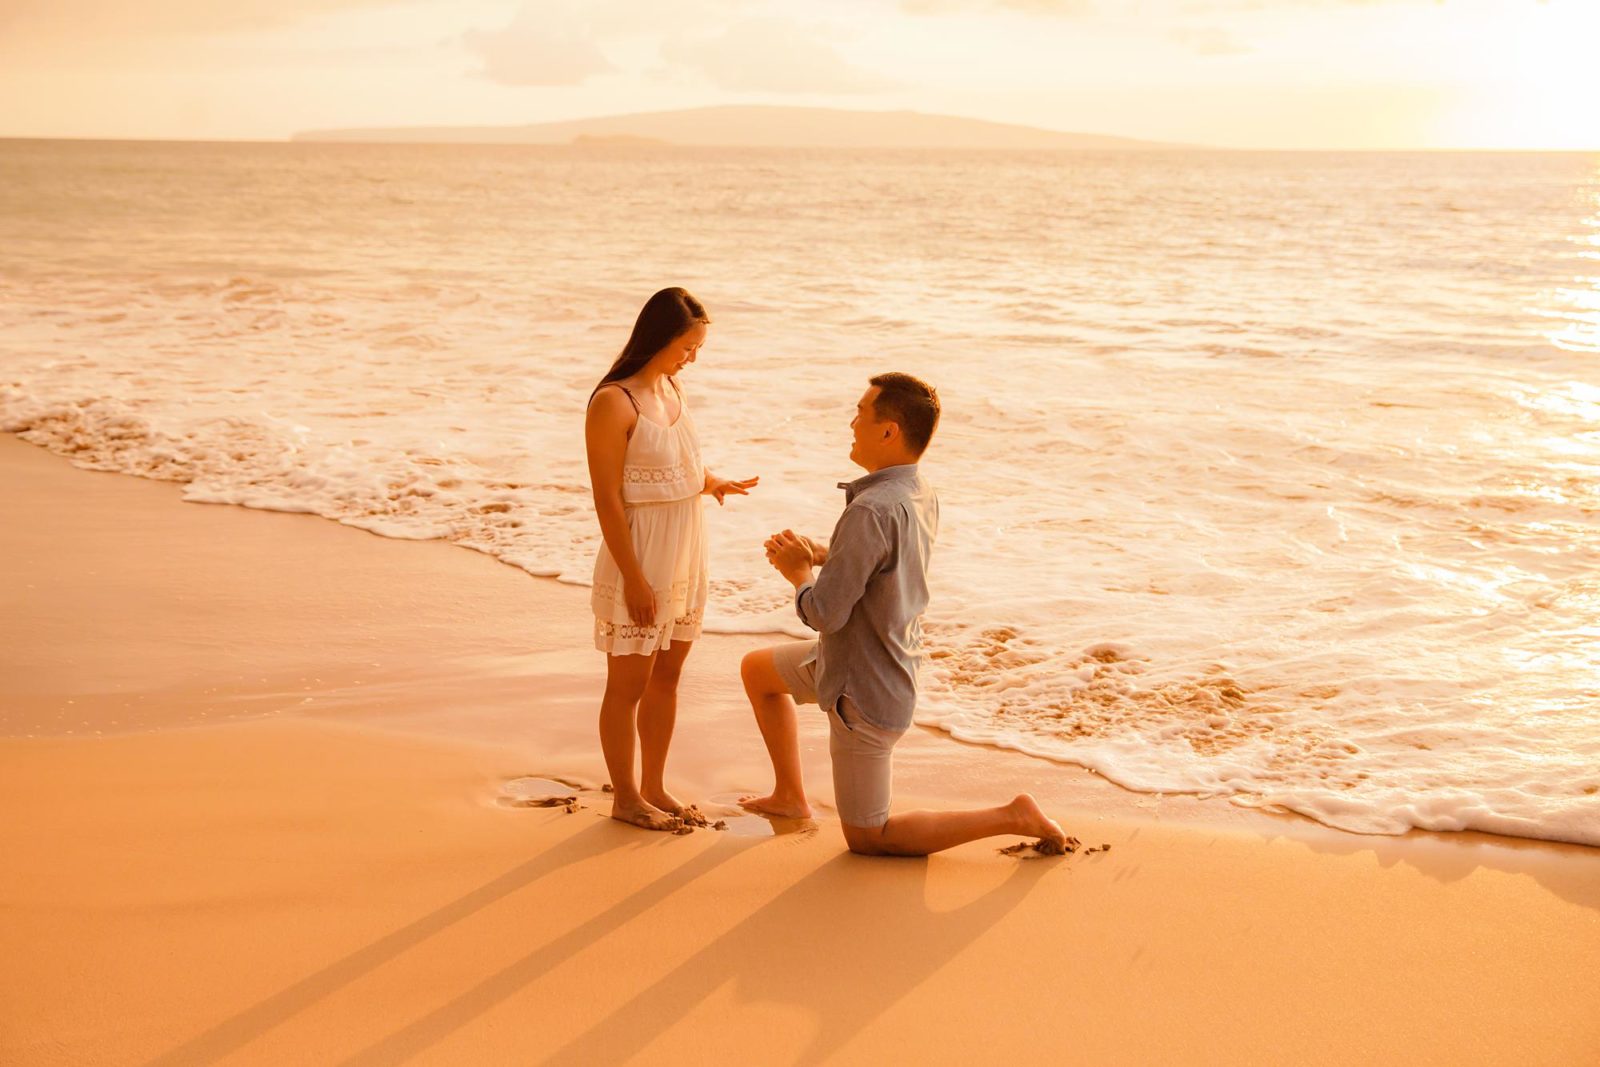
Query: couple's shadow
(843, 944)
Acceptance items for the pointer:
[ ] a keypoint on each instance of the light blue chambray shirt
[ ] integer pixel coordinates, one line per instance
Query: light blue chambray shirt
(866, 602)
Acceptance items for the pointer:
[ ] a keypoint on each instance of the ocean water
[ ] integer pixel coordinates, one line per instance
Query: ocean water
(1264, 476)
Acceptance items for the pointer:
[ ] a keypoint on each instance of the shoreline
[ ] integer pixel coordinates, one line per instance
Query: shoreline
(488, 657)
(287, 844)
(344, 669)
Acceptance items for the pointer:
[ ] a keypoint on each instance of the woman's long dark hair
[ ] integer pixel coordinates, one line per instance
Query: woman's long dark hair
(668, 314)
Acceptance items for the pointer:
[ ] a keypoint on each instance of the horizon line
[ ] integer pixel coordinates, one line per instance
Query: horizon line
(1165, 147)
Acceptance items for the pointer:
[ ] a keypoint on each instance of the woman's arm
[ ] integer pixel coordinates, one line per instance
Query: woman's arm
(605, 433)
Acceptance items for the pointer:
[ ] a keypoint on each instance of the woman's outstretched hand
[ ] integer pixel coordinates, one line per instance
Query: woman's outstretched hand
(721, 487)
(641, 601)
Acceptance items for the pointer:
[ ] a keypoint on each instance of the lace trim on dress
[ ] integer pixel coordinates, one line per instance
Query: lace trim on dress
(628, 631)
(679, 472)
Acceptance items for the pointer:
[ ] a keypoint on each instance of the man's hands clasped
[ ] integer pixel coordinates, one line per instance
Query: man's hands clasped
(794, 556)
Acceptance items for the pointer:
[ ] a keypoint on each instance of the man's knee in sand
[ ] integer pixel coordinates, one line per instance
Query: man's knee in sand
(864, 840)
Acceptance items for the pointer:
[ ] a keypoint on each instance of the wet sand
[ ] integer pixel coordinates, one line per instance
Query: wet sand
(266, 815)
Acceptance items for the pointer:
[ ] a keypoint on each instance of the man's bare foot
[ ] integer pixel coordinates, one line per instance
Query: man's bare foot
(647, 817)
(777, 807)
(1033, 822)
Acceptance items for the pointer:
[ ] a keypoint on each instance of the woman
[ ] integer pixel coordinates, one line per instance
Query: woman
(650, 578)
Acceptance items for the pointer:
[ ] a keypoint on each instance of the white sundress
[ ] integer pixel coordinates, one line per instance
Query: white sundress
(662, 478)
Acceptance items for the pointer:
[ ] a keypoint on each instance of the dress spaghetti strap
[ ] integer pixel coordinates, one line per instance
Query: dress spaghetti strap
(629, 395)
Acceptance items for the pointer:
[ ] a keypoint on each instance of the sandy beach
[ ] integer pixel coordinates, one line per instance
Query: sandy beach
(255, 810)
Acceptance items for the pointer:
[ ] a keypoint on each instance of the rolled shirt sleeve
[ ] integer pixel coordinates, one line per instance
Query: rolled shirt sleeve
(855, 553)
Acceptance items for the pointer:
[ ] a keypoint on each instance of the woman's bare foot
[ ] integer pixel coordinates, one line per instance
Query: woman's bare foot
(778, 807)
(690, 814)
(646, 816)
(1033, 822)
(660, 798)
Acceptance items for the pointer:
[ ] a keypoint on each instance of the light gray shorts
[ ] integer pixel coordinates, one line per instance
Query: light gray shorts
(862, 753)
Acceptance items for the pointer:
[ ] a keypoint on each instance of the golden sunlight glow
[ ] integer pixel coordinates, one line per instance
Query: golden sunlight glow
(1381, 74)
(1534, 75)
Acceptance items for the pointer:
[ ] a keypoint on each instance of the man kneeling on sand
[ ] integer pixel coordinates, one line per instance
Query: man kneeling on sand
(864, 594)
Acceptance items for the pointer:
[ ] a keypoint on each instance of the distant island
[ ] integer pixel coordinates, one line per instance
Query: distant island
(618, 140)
(753, 126)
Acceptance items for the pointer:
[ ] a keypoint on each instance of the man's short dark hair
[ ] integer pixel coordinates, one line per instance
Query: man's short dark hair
(910, 403)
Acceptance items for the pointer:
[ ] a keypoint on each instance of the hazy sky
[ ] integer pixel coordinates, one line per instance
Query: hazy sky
(1268, 73)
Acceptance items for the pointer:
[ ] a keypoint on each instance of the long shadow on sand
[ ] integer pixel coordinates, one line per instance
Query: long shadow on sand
(844, 943)
(239, 1030)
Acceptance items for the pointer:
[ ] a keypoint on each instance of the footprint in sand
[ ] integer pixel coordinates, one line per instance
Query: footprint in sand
(531, 792)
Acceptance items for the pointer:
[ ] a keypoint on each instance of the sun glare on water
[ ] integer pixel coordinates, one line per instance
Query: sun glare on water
(1573, 310)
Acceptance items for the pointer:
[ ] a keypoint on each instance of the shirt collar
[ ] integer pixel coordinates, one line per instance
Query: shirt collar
(885, 474)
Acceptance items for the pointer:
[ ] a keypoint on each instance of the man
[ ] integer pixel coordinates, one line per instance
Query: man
(866, 604)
